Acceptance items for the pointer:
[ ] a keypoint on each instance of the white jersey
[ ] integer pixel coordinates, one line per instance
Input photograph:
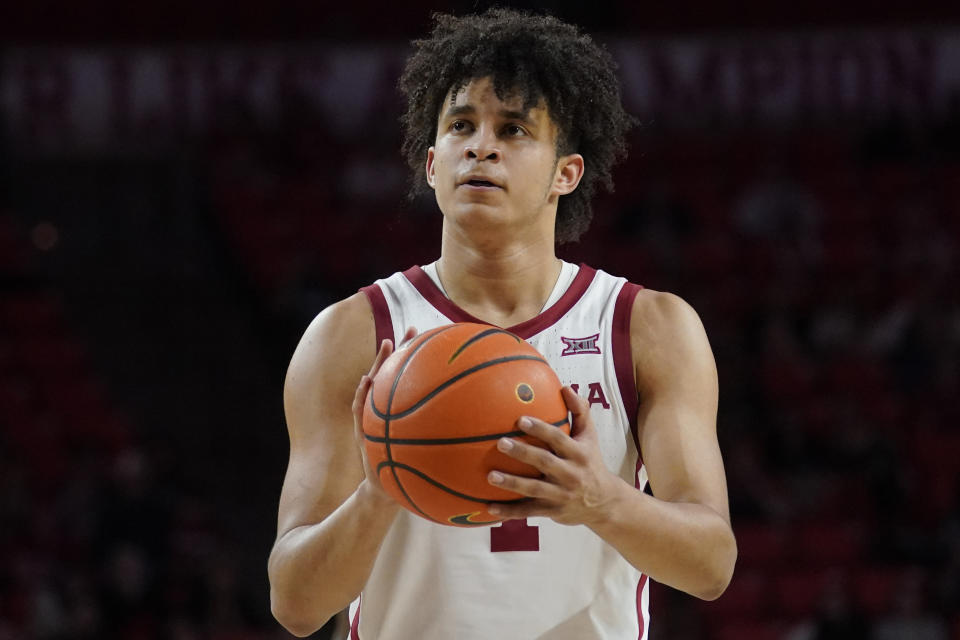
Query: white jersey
(523, 579)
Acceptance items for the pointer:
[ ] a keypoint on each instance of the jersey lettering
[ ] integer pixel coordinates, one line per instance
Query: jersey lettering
(573, 346)
(514, 535)
(596, 396)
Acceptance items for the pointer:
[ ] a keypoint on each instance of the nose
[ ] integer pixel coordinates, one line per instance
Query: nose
(482, 146)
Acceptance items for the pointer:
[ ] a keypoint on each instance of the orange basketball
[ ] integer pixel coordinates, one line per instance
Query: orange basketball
(436, 409)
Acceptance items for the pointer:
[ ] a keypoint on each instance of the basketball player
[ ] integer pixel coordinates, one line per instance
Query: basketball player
(512, 120)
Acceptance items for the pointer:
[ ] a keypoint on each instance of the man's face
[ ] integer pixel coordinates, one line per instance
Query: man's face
(494, 163)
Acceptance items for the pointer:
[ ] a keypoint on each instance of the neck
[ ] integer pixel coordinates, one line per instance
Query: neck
(503, 282)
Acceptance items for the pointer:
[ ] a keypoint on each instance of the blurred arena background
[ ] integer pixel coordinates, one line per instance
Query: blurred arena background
(185, 185)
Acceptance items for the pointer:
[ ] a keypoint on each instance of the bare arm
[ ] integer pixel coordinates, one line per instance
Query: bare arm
(682, 537)
(332, 518)
(685, 538)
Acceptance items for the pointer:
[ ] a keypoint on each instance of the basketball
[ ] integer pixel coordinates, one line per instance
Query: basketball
(436, 409)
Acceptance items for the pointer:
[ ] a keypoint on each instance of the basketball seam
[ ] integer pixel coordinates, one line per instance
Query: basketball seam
(386, 419)
(400, 465)
(480, 336)
(464, 439)
(445, 384)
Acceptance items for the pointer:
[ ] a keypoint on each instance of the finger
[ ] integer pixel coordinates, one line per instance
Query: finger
(544, 460)
(550, 434)
(386, 348)
(366, 381)
(530, 487)
(580, 412)
(359, 398)
(409, 334)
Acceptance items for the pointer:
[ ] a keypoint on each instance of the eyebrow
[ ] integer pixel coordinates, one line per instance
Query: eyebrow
(507, 114)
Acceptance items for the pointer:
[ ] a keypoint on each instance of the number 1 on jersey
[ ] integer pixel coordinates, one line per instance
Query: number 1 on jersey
(515, 535)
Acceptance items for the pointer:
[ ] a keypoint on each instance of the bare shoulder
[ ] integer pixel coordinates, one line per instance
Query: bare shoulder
(668, 340)
(659, 312)
(336, 349)
(340, 325)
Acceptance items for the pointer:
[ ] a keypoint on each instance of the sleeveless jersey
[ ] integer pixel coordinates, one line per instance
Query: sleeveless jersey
(519, 580)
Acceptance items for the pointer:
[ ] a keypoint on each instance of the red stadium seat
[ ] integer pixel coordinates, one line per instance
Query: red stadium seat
(796, 593)
(749, 629)
(762, 545)
(31, 313)
(745, 598)
(935, 454)
(831, 543)
(875, 589)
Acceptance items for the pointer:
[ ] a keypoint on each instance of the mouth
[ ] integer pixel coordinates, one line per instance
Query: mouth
(479, 183)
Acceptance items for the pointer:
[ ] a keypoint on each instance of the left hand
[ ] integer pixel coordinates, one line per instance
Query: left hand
(576, 487)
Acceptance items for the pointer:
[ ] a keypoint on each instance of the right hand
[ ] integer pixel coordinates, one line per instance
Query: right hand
(359, 398)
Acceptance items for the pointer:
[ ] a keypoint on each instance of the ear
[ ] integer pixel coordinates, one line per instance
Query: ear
(431, 176)
(568, 175)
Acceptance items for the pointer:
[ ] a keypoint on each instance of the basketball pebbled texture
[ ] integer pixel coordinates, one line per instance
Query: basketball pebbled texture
(436, 409)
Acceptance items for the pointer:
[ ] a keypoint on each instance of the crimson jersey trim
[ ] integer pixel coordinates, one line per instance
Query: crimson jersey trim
(432, 293)
(640, 619)
(642, 583)
(623, 355)
(381, 314)
(355, 625)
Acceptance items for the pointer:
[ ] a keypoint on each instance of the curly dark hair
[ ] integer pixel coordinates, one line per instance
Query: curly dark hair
(532, 57)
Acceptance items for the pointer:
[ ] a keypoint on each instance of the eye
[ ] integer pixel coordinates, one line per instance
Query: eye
(515, 130)
(459, 125)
